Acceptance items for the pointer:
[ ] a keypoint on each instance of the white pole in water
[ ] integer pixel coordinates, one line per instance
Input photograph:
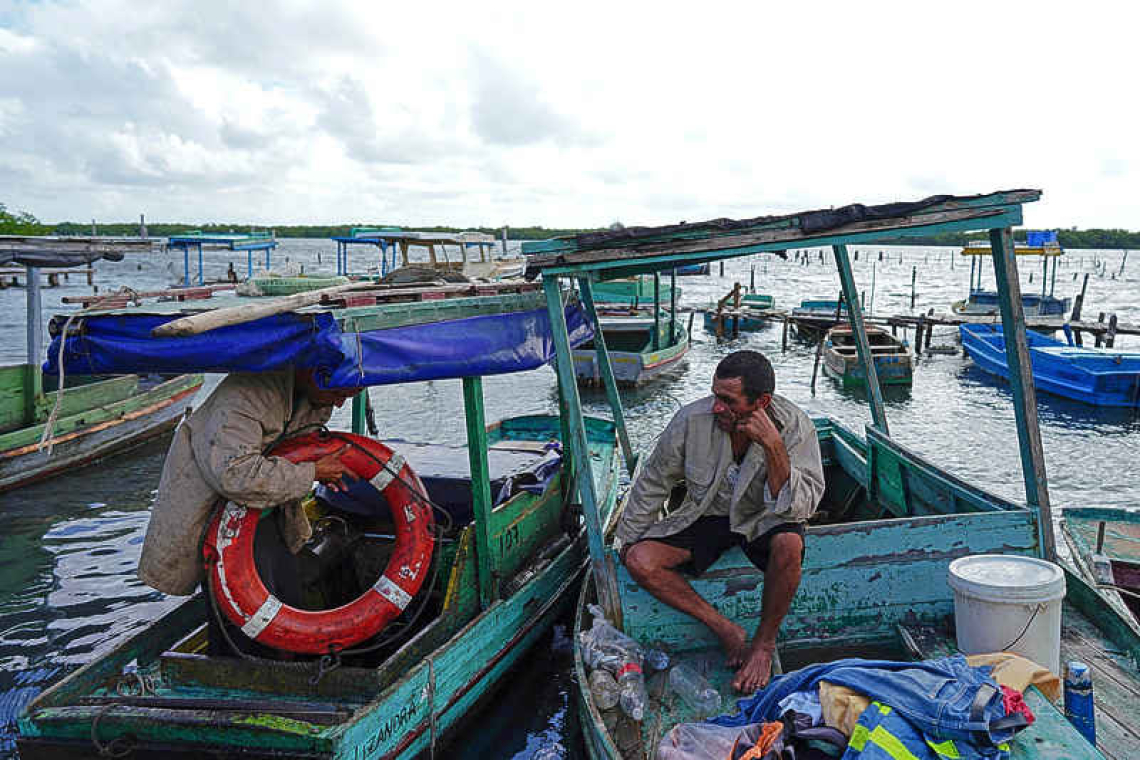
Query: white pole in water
(505, 240)
(35, 317)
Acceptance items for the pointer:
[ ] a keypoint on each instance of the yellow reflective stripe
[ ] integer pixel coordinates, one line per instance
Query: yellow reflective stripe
(1004, 746)
(945, 749)
(859, 738)
(883, 709)
(890, 744)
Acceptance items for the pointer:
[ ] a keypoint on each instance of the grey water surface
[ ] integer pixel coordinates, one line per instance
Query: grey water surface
(68, 546)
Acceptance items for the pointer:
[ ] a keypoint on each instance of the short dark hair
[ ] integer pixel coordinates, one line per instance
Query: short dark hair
(754, 370)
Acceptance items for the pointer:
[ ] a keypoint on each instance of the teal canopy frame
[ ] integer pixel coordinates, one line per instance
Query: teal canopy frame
(562, 261)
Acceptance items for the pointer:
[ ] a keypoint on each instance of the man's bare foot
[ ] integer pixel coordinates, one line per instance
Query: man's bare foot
(734, 640)
(757, 669)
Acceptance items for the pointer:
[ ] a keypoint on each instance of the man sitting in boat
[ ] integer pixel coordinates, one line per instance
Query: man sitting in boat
(750, 464)
(216, 455)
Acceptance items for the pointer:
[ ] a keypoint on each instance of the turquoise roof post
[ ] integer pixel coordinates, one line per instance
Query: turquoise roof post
(605, 575)
(855, 316)
(1021, 384)
(605, 368)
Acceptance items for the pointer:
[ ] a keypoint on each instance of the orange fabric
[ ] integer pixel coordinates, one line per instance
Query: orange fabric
(769, 733)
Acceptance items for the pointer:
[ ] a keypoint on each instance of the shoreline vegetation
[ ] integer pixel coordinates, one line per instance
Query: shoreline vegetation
(23, 223)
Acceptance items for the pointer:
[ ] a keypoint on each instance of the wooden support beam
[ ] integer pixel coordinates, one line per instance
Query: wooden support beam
(1021, 383)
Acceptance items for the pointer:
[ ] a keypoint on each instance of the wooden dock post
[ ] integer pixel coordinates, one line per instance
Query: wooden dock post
(1110, 336)
(784, 338)
(1099, 333)
(913, 276)
(1078, 305)
(929, 330)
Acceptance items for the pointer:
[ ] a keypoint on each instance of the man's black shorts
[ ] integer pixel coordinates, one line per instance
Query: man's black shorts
(710, 537)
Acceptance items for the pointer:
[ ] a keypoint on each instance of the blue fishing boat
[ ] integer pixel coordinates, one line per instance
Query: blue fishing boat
(875, 577)
(690, 270)
(507, 547)
(739, 312)
(1041, 243)
(1098, 376)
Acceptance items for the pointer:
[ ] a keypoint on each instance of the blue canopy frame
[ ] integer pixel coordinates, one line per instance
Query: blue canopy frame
(247, 243)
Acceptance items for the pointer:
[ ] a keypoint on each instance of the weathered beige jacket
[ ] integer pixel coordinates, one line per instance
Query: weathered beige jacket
(217, 453)
(694, 449)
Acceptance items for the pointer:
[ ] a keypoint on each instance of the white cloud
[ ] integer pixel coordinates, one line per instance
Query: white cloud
(528, 114)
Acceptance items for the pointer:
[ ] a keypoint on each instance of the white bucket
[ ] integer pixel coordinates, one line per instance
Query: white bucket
(1006, 603)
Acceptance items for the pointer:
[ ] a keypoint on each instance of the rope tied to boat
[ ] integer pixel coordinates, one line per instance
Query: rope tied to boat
(120, 746)
(132, 296)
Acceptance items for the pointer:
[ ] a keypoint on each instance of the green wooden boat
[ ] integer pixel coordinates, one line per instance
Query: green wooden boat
(875, 575)
(634, 292)
(894, 364)
(874, 585)
(504, 567)
(287, 286)
(1106, 550)
(97, 415)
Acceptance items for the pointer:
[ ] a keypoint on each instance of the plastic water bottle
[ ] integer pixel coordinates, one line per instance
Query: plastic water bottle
(633, 697)
(1079, 699)
(696, 692)
(605, 689)
(554, 751)
(656, 659)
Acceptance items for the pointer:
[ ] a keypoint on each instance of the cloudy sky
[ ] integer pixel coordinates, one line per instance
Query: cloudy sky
(561, 114)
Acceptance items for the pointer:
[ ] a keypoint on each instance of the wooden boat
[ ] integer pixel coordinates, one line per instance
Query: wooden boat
(1043, 304)
(1106, 549)
(1098, 376)
(633, 292)
(749, 316)
(859, 598)
(98, 415)
(815, 316)
(503, 569)
(875, 575)
(893, 361)
(456, 260)
(637, 358)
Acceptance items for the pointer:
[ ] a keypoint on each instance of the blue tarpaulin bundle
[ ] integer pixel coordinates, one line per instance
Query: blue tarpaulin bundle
(484, 345)
(1037, 238)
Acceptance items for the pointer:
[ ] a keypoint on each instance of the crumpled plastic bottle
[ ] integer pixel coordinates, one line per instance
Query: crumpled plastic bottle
(694, 689)
(605, 647)
(605, 689)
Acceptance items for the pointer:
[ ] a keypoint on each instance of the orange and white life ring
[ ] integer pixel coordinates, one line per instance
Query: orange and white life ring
(247, 603)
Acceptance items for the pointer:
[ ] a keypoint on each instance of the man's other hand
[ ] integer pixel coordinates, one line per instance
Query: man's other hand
(331, 471)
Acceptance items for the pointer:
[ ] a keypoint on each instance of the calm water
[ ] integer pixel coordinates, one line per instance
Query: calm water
(69, 546)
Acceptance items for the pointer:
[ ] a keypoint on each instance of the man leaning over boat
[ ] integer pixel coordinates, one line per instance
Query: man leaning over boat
(218, 454)
(750, 467)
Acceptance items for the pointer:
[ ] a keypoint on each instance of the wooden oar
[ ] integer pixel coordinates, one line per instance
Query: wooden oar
(236, 315)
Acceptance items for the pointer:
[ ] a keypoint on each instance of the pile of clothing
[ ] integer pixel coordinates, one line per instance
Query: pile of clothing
(954, 708)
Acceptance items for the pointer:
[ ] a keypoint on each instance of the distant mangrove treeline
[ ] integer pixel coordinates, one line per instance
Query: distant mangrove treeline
(23, 223)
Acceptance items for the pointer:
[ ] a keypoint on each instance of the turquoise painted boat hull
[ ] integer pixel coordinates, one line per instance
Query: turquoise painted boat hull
(874, 576)
(404, 707)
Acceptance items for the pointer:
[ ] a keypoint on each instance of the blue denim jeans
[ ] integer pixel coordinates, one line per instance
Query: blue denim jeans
(936, 696)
